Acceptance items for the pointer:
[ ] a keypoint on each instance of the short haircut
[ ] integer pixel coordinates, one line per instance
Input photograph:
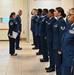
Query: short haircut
(40, 10)
(35, 9)
(46, 10)
(72, 9)
(51, 10)
(20, 10)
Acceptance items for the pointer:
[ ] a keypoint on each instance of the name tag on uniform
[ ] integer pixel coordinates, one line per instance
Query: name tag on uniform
(62, 28)
(71, 31)
(47, 22)
(16, 22)
(55, 25)
(43, 20)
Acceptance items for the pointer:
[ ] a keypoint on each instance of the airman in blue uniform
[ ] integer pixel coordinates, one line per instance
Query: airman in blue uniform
(35, 21)
(68, 47)
(49, 38)
(43, 35)
(33, 13)
(39, 13)
(12, 27)
(58, 30)
(19, 27)
(40, 52)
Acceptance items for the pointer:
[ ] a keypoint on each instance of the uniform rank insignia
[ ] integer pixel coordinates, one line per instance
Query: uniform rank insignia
(11, 23)
(49, 23)
(55, 25)
(62, 28)
(71, 31)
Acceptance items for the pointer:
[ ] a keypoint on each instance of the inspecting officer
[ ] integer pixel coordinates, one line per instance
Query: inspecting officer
(58, 30)
(68, 46)
(49, 38)
(19, 28)
(12, 27)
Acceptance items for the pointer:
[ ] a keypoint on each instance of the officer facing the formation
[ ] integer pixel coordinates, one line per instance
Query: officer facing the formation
(58, 30)
(19, 28)
(43, 35)
(33, 13)
(12, 27)
(68, 47)
(49, 38)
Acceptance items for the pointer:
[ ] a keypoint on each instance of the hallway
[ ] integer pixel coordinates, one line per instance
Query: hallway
(25, 63)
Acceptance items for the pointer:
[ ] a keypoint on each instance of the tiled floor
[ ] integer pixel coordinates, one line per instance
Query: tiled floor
(25, 63)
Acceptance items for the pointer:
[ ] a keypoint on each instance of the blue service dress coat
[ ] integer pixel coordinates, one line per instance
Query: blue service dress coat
(68, 47)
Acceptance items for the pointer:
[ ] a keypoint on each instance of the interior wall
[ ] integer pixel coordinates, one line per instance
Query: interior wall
(47, 3)
(67, 4)
(8, 6)
(31, 5)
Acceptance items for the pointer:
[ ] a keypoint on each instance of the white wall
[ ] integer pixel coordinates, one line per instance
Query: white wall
(67, 4)
(31, 4)
(47, 3)
(8, 6)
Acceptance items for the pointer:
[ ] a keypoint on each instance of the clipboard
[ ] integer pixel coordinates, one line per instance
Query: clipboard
(14, 34)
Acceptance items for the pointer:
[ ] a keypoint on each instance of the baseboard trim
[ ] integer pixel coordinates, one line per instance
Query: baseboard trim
(23, 39)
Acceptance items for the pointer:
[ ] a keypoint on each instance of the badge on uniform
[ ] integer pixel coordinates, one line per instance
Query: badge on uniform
(11, 23)
(47, 22)
(43, 20)
(55, 25)
(62, 28)
(71, 31)
(16, 22)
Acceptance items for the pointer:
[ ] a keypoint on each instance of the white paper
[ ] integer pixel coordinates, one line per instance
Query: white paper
(14, 34)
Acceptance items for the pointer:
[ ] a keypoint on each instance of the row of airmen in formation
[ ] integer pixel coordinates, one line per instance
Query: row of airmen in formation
(54, 37)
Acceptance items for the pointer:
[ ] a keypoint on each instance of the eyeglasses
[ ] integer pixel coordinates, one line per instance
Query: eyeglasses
(70, 15)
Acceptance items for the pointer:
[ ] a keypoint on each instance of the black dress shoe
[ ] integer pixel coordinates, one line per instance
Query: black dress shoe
(50, 70)
(19, 48)
(32, 44)
(38, 53)
(15, 54)
(42, 60)
(47, 68)
(34, 48)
